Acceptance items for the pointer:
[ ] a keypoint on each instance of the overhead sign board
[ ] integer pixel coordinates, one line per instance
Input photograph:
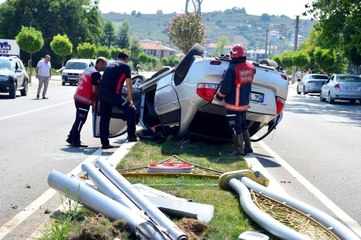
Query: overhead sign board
(9, 47)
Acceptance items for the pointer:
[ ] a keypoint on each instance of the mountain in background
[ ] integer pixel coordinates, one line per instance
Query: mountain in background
(234, 23)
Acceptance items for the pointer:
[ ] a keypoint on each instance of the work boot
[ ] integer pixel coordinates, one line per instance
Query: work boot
(247, 142)
(78, 144)
(238, 145)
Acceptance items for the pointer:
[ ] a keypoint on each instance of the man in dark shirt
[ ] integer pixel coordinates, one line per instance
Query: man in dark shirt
(84, 97)
(110, 95)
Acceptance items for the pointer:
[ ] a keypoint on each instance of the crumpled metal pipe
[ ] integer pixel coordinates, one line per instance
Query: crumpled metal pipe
(142, 202)
(100, 203)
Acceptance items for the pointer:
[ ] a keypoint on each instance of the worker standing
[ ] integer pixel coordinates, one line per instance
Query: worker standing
(235, 89)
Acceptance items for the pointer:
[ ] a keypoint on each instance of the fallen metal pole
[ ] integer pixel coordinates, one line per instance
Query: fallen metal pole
(337, 227)
(142, 202)
(100, 203)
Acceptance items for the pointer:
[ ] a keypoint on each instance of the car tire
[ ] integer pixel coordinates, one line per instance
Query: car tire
(352, 101)
(24, 91)
(304, 90)
(330, 99)
(12, 91)
(63, 83)
(137, 80)
(298, 92)
(321, 98)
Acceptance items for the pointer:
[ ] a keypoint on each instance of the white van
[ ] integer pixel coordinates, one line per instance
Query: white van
(73, 69)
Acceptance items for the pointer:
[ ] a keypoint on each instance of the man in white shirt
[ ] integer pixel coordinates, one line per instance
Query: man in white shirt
(43, 74)
(299, 75)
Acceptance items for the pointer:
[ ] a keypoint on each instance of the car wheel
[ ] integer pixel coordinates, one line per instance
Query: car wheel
(24, 91)
(304, 90)
(330, 99)
(298, 91)
(63, 83)
(137, 80)
(12, 91)
(321, 98)
(352, 101)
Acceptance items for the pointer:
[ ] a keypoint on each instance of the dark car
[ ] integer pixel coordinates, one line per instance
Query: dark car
(13, 76)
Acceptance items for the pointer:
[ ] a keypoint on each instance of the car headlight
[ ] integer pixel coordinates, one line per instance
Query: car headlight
(4, 78)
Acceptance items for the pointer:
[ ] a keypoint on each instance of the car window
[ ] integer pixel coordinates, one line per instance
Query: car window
(320, 77)
(349, 79)
(5, 64)
(76, 65)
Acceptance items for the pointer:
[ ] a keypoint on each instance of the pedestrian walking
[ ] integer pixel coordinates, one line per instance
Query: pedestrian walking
(84, 97)
(235, 90)
(110, 95)
(43, 74)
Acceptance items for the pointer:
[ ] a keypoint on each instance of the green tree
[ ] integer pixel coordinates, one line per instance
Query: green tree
(31, 41)
(114, 52)
(80, 20)
(103, 51)
(185, 30)
(62, 46)
(287, 59)
(86, 50)
(278, 59)
(325, 58)
(122, 40)
(340, 22)
(301, 59)
(135, 50)
(109, 37)
(222, 42)
(171, 61)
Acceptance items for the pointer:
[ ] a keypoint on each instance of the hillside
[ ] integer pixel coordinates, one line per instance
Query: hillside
(234, 23)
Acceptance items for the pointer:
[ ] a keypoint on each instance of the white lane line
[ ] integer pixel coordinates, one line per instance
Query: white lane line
(46, 196)
(350, 222)
(35, 110)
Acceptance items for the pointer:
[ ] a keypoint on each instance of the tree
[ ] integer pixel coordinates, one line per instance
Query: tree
(196, 7)
(86, 50)
(287, 59)
(301, 59)
(80, 20)
(122, 40)
(222, 42)
(325, 58)
(62, 46)
(114, 52)
(171, 61)
(185, 30)
(341, 25)
(103, 51)
(109, 37)
(31, 41)
(135, 50)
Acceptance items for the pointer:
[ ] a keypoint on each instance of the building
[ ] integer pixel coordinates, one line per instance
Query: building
(211, 49)
(156, 49)
(256, 54)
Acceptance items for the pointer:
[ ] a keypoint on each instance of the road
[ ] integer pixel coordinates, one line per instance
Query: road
(321, 142)
(32, 143)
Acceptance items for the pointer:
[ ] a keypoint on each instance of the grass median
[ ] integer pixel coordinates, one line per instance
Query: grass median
(228, 221)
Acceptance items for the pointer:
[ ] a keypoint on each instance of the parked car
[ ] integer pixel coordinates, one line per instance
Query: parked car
(73, 69)
(342, 86)
(311, 83)
(180, 101)
(13, 76)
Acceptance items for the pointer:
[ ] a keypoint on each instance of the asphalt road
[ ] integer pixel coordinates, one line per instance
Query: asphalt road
(322, 143)
(32, 143)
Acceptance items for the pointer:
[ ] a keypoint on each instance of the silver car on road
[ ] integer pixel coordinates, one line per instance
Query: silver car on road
(343, 87)
(311, 83)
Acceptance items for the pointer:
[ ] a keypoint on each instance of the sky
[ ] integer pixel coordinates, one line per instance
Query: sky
(289, 8)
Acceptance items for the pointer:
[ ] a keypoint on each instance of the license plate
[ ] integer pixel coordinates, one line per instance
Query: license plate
(351, 88)
(257, 97)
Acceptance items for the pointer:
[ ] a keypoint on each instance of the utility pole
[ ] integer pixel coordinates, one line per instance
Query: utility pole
(266, 46)
(295, 47)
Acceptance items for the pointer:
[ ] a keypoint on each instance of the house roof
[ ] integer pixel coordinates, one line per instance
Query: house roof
(154, 45)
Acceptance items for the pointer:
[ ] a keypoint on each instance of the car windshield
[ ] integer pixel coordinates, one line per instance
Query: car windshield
(349, 79)
(321, 77)
(5, 64)
(76, 65)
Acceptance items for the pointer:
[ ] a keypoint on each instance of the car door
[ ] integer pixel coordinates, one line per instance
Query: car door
(118, 123)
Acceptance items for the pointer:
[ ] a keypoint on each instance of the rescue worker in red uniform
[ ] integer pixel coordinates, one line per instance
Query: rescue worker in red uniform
(84, 97)
(235, 90)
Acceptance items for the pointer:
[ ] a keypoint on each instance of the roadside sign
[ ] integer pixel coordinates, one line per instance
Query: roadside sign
(9, 47)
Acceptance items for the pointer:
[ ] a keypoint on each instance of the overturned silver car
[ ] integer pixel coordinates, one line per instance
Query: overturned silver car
(180, 101)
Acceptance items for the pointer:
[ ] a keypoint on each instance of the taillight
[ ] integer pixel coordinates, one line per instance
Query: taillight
(337, 85)
(280, 104)
(207, 91)
(284, 76)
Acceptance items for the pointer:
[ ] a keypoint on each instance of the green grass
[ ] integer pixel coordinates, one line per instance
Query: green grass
(228, 221)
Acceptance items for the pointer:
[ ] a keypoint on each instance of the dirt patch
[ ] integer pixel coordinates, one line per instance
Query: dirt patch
(194, 229)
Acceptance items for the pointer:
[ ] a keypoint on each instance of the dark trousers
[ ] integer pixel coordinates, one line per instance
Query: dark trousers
(237, 122)
(105, 109)
(82, 110)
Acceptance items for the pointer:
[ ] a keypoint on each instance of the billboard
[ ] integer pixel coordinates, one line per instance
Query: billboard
(9, 47)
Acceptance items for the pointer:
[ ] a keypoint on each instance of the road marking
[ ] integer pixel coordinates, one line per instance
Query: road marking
(350, 222)
(35, 110)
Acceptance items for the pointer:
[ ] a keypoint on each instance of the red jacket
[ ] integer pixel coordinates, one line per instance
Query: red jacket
(84, 92)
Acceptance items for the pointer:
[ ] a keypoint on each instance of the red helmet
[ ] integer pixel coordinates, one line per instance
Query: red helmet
(238, 51)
